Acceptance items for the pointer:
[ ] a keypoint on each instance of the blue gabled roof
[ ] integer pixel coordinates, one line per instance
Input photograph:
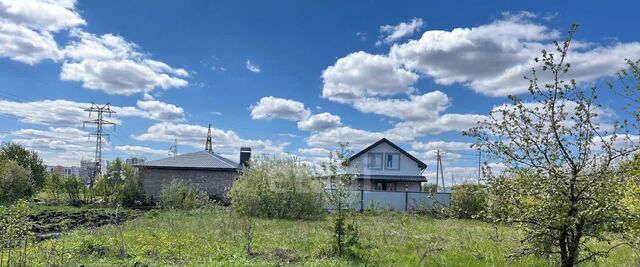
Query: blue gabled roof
(195, 160)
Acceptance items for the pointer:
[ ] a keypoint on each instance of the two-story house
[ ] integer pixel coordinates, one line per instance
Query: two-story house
(384, 166)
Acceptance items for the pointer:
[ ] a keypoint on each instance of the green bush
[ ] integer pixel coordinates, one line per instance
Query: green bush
(15, 181)
(278, 188)
(73, 186)
(178, 195)
(15, 232)
(468, 201)
(131, 193)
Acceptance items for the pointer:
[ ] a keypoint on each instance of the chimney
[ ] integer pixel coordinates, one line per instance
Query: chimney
(245, 156)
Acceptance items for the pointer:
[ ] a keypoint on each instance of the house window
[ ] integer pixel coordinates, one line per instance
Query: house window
(375, 161)
(385, 187)
(392, 161)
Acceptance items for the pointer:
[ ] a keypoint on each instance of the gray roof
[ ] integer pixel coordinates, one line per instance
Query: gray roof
(395, 178)
(195, 160)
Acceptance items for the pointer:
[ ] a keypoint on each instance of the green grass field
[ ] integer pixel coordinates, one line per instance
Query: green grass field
(212, 237)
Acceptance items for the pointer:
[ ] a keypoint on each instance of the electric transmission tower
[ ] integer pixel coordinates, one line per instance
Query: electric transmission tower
(99, 121)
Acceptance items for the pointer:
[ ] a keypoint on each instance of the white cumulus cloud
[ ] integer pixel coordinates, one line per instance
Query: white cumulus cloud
(225, 142)
(392, 33)
(417, 107)
(27, 28)
(58, 145)
(142, 151)
(269, 107)
(320, 122)
(69, 113)
(359, 75)
(111, 64)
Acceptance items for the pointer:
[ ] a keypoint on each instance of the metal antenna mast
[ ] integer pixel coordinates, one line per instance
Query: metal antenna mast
(99, 122)
(173, 150)
(209, 145)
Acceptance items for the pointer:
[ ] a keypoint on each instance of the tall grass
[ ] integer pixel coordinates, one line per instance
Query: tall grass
(212, 237)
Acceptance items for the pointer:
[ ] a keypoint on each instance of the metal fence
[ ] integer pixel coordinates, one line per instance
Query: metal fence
(399, 201)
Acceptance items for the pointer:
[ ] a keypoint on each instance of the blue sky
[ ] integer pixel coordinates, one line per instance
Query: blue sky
(285, 77)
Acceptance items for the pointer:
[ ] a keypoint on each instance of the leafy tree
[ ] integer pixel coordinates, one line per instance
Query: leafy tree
(278, 188)
(131, 193)
(102, 188)
(55, 184)
(561, 185)
(429, 188)
(115, 174)
(115, 170)
(109, 185)
(341, 176)
(73, 186)
(28, 159)
(15, 181)
(628, 86)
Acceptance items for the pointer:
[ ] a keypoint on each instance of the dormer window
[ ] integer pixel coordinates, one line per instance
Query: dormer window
(392, 161)
(375, 161)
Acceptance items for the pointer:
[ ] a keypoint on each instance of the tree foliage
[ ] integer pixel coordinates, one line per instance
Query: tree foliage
(15, 181)
(130, 192)
(468, 201)
(340, 176)
(55, 184)
(429, 188)
(628, 86)
(15, 233)
(73, 186)
(178, 195)
(561, 184)
(29, 160)
(278, 188)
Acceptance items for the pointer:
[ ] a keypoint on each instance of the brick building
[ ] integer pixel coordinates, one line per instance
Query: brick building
(204, 170)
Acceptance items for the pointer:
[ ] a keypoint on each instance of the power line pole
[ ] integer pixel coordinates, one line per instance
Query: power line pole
(173, 150)
(437, 168)
(444, 189)
(99, 122)
(479, 164)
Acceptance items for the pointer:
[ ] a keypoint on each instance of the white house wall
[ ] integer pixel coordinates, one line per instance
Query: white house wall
(408, 167)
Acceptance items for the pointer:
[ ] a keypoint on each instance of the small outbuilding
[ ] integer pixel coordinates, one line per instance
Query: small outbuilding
(205, 170)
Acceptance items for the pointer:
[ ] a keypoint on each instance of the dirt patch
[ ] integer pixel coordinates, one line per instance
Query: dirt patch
(50, 224)
(284, 255)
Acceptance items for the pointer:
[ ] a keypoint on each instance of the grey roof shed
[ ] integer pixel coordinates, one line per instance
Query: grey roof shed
(195, 160)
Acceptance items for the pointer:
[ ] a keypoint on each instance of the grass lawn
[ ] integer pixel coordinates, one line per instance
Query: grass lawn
(212, 237)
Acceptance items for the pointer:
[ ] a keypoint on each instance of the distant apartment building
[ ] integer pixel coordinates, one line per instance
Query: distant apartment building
(134, 161)
(64, 171)
(86, 170)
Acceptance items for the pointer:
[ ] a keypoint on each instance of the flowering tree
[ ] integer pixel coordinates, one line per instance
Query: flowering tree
(561, 184)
